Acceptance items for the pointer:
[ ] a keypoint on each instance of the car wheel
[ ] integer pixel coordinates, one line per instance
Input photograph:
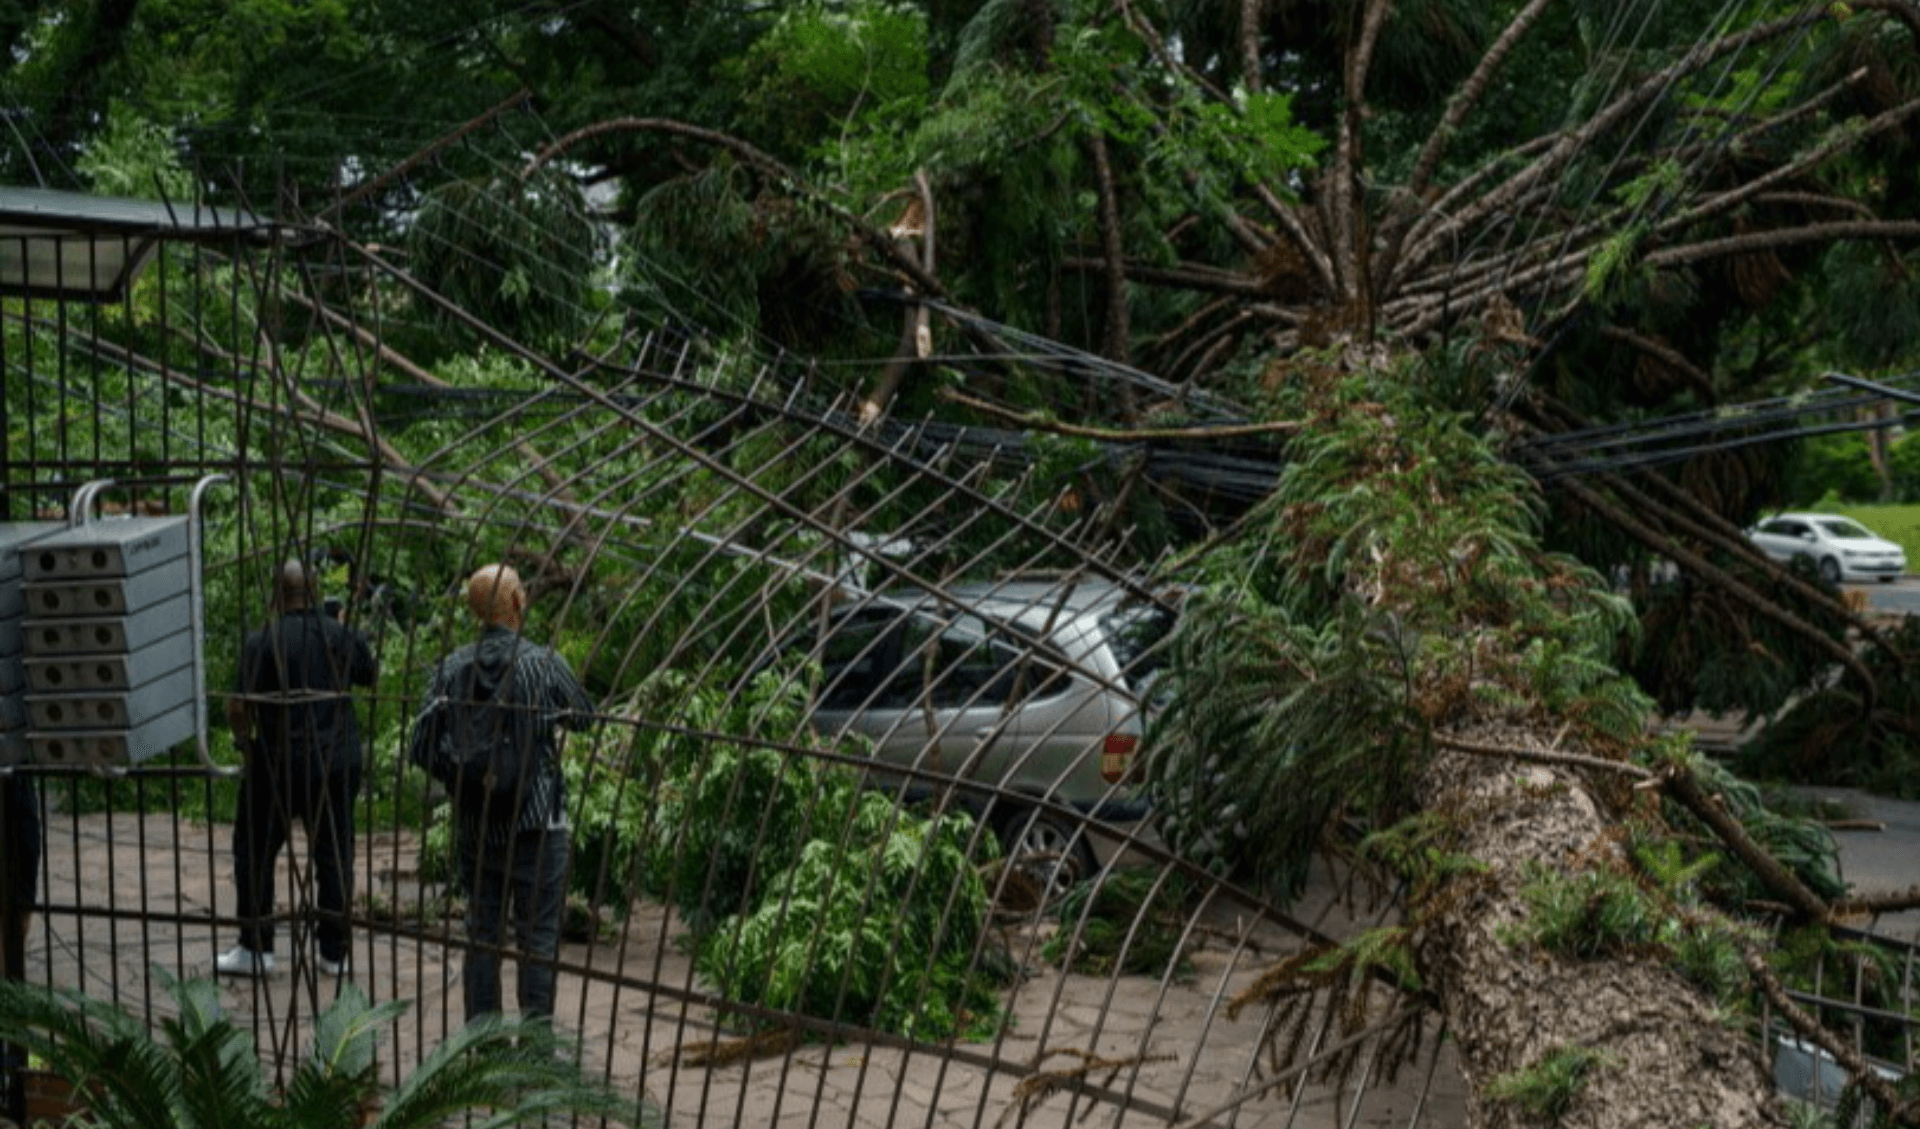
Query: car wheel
(1830, 570)
(1053, 852)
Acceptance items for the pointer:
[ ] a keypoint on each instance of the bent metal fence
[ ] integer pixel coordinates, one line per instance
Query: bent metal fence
(855, 837)
(766, 596)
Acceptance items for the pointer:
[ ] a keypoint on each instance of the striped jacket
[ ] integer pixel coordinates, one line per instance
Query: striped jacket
(543, 681)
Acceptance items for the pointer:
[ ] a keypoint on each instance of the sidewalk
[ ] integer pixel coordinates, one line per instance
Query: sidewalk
(128, 893)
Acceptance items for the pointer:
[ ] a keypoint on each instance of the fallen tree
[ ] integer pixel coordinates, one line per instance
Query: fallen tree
(1388, 645)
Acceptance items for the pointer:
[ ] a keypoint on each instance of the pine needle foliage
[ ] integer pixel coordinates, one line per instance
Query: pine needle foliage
(1423, 850)
(1804, 846)
(1334, 991)
(1133, 921)
(1392, 585)
(1590, 914)
(1701, 649)
(1549, 1087)
(1826, 737)
(720, 248)
(1653, 910)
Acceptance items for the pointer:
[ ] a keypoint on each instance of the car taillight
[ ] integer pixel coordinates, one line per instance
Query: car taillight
(1116, 757)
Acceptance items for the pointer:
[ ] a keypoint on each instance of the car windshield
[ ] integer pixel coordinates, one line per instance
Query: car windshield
(1845, 528)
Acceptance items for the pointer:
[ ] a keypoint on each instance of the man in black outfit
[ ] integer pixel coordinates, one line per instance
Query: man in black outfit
(20, 854)
(303, 763)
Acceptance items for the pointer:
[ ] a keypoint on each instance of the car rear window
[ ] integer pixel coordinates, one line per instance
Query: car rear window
(1137, 634)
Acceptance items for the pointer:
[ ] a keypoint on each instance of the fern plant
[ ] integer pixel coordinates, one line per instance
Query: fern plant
(198, 1068)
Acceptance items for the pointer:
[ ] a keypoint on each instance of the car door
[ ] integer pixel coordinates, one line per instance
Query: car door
(1782, 538)
(927, 688)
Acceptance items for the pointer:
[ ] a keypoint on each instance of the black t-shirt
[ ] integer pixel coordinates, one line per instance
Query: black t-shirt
(296, 673)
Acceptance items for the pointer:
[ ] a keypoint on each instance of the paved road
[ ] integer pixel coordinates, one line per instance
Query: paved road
(1882, 860)
(1901, 596)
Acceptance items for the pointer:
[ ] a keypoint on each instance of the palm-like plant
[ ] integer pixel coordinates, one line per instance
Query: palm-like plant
(198, 1070)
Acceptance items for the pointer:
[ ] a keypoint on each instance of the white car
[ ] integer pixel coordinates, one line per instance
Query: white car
(1840, 547)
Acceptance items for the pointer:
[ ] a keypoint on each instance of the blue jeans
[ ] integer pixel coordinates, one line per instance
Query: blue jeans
(525, 881)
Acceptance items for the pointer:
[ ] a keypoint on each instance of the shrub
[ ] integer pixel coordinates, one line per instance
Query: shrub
(726, 826)
(879, 927)
(1833, 466)
(1903, 468)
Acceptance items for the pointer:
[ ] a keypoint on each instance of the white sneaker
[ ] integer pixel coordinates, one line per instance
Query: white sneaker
(334, 967)
(242, 961)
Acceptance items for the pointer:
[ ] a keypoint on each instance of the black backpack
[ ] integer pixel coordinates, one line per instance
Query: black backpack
(484, 747)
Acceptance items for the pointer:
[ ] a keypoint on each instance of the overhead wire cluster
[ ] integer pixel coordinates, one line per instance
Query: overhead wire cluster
(1648, 444)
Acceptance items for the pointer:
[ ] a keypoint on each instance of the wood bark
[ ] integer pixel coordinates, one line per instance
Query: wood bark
(1667, 1056)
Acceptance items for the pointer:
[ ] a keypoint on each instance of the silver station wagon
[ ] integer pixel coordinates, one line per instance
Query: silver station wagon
(1022, 698)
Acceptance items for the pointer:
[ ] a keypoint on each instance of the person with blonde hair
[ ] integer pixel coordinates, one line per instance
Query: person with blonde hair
(488, 731)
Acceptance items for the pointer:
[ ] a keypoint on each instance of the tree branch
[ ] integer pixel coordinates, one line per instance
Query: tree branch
(1343, 189)
(1783, 237)
(1542, 756)
(1878, 903)
(1118, 331)
(1464, 100)
(1667, 355)
(388, 356)
(1857, 1068)
(915, 336)
(1034, 421)
(1190, 276)
(1700, 566)
(1250, 68)
(755, 159)
(1566, 145)
(1680, 783)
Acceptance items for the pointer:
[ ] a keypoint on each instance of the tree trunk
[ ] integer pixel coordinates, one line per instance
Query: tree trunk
(1667, 1057)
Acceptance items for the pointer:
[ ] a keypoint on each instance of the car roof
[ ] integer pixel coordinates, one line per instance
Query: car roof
(1050, 611)
(1076, 594)
(1817, 517)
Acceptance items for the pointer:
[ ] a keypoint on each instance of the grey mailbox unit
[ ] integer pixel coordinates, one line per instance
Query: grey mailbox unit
(14, 538)
(111, 645)
(109, 672)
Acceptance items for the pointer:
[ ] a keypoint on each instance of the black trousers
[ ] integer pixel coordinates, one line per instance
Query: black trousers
(274, 793)
(20, 837)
